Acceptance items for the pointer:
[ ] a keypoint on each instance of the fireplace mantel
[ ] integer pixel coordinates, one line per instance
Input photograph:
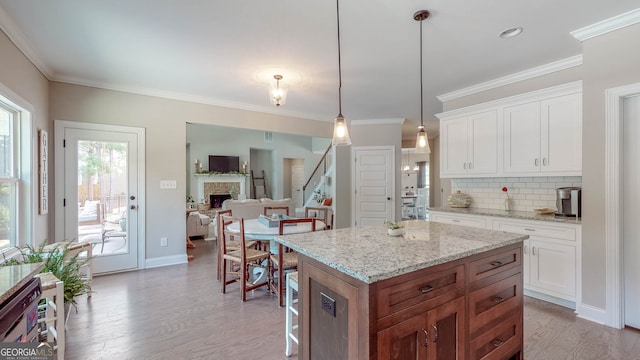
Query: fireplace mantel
(219, 178)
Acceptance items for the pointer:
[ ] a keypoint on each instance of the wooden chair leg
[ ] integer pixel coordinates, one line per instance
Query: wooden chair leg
(243, 282)
(224, 275)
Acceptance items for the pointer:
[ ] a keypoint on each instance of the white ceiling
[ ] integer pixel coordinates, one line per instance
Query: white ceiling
(217, 52)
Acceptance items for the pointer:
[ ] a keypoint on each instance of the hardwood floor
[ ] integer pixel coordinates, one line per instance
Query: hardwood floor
(178, 312)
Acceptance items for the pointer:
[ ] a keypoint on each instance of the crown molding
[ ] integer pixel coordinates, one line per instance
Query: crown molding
(607, 25)
(377, 121)
(193, 99)
(9, 27)
(514, 78)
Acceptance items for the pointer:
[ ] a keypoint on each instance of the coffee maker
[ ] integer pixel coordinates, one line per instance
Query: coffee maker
(569, 201)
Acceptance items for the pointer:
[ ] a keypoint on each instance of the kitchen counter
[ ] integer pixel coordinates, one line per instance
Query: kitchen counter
(524, 215)
(13, 277)
(370, 255)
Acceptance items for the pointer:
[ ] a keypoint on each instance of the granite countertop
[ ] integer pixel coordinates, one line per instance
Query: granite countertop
(13, 277)
(524, 215)
(370, 255)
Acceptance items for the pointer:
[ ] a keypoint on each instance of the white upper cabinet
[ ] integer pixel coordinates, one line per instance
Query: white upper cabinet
(469, 145)
(533, 134)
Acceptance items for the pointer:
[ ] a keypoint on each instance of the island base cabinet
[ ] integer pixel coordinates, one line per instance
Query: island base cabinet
(438, 334)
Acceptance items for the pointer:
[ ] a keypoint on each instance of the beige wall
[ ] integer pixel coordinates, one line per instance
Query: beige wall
(610, 60)
(165, 123)
(19, 75)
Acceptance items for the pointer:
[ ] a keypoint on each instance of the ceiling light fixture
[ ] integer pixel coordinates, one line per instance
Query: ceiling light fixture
(278, 94)
(422, 143)
(340, 130)
(509, 33)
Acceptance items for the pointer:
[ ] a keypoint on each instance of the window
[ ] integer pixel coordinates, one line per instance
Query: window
(8, 179)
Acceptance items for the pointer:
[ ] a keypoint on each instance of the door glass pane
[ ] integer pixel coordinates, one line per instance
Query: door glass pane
(102, 196)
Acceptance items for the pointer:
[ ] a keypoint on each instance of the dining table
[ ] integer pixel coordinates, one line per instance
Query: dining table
(256, 230)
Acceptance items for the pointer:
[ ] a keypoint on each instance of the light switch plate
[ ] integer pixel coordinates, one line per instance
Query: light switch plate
(168, 184)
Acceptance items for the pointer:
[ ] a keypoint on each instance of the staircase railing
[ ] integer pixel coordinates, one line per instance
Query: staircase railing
(323, 162)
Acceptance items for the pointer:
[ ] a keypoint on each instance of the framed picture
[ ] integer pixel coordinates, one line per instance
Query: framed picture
(43, 174)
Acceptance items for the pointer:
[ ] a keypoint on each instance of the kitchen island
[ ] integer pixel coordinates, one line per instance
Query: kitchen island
(438, 291)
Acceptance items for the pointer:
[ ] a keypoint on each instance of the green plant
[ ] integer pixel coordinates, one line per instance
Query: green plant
(63, 266)
(392, 225)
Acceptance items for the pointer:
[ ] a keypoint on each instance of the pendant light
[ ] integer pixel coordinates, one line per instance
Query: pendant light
(422, 143)
(278, 94)
(340, 130)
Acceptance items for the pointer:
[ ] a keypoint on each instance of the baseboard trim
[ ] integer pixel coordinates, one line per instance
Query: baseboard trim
(591, 313)
(166, 261)
(552, 299)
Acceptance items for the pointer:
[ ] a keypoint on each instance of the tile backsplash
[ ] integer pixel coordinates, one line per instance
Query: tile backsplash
(526, 193)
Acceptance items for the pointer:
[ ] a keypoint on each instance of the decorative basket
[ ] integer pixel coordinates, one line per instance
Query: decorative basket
(204, 207)
(459, 200)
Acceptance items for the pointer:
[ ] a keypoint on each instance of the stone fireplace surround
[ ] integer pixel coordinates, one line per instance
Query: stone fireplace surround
(219, 185)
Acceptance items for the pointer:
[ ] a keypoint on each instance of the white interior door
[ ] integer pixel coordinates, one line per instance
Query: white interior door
(297, 181)
(374, 184)
(631, 209)
(102, 192)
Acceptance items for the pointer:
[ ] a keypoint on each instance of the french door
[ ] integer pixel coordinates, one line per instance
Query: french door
(100, 192)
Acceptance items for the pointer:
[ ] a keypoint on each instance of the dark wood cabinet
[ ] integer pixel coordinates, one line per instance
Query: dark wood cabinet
(470, 308)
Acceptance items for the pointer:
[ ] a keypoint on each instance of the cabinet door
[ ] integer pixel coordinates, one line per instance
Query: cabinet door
(446, 328)
(453, 135)
(553, 268)
(522, 138)
(407, 340)
(483, 140)
(561, 126)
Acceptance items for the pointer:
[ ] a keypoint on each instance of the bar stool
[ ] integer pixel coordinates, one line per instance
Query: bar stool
(54, 319)
(290, 310)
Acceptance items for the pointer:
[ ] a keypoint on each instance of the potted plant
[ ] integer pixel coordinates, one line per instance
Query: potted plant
(393, 228)
(57, 261)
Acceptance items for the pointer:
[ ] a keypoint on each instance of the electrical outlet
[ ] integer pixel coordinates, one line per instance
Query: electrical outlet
(163, 241)
(328, 304)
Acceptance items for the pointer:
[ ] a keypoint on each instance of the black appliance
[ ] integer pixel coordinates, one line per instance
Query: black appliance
(19, 314)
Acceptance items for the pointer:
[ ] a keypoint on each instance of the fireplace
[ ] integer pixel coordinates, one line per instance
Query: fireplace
(219, 185)
(217, 200)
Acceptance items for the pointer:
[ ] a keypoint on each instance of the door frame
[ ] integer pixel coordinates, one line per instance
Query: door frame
(354, 186)
(59, 129)
(614, 288)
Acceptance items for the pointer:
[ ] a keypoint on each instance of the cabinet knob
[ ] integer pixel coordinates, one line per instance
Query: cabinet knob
(426, 338)
(536, 162)
(464, 166)
(545, 162)
(435, 338)
(426, 289)
(533, 250)
(470, 166)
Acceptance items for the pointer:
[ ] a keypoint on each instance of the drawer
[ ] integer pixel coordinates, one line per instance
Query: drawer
(494, 264)
(488, 303)
(421, 287)
(556, 232)
(499, 342)
(459, 220)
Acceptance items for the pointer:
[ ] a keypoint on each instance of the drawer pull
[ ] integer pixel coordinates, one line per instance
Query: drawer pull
(435, 338)
(426, 289)
(497, 299)
(497, 342)
(496, 263)
(454, 220)
(529, 229)
(426, 338)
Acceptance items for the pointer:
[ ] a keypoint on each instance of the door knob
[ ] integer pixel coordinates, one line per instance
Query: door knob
(132, 197)
(133, 207)
(388, 198)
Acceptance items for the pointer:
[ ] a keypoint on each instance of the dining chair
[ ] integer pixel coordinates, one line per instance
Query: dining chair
(242, 259)
(230, 244)
(285, 259)
(282, 210)
(321, 213)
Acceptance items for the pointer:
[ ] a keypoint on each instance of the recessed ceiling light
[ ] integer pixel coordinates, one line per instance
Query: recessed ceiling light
(509, 33)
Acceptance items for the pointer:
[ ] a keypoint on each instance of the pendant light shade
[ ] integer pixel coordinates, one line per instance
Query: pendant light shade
(340, 129)
(422, 142)
(278, 94)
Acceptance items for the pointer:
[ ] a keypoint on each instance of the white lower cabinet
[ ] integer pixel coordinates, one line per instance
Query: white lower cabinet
(459, 219)
(551, 255)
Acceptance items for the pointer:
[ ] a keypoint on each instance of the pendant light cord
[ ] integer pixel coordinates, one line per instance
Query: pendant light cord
(339, 63)
(421, 95)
